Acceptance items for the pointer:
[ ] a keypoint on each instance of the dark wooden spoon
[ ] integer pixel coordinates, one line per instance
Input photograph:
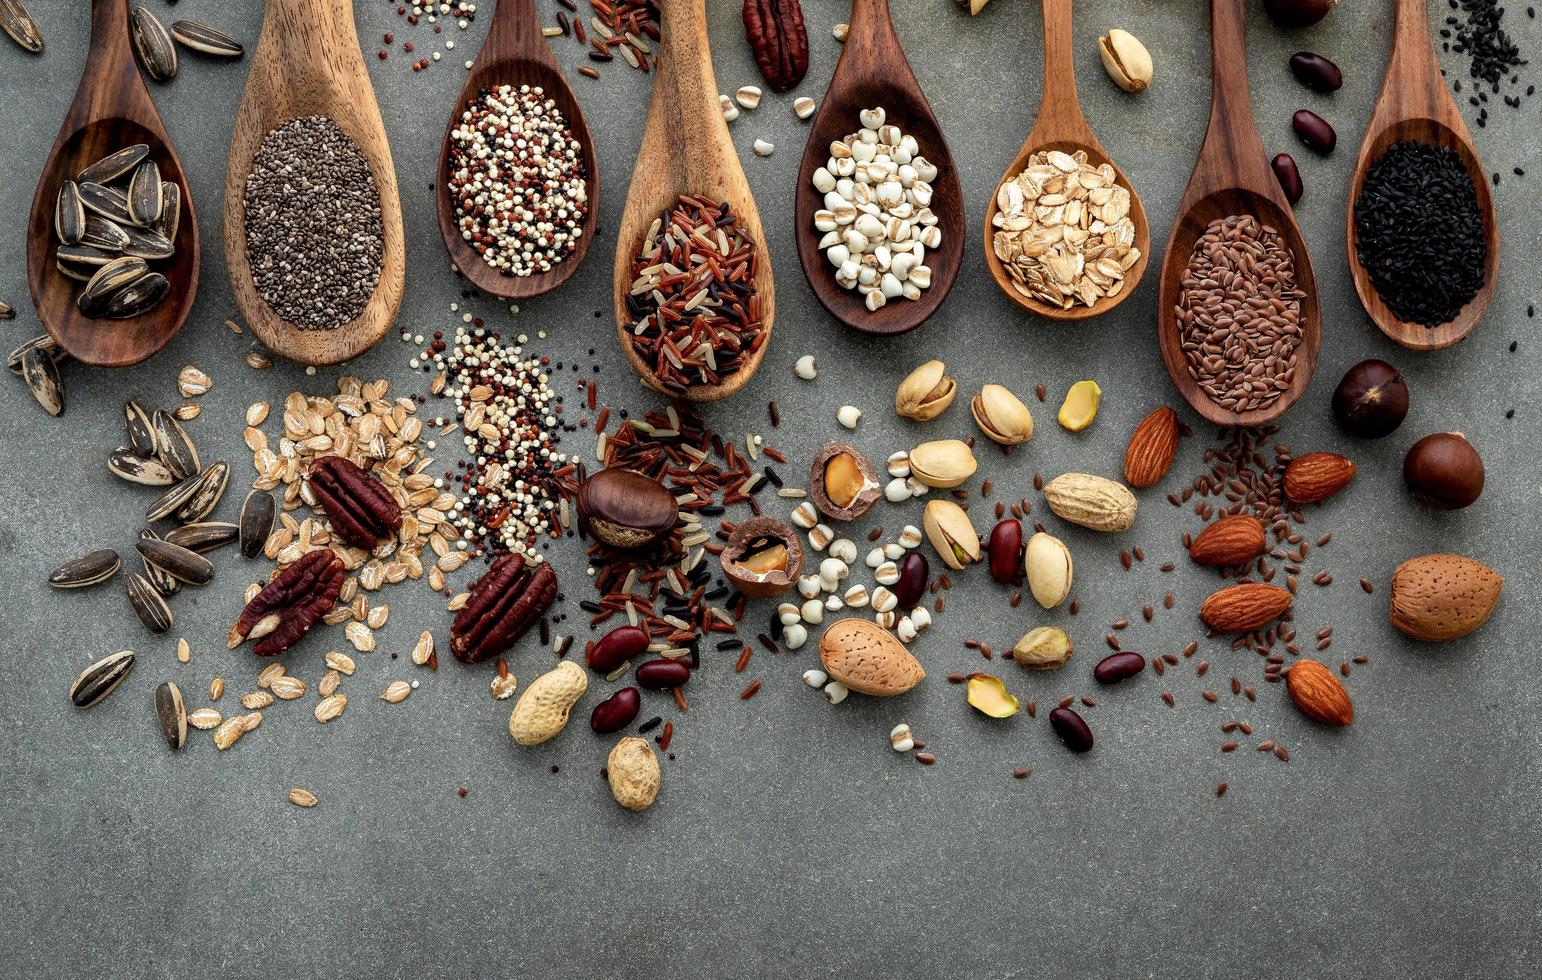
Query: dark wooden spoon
(686, 150)
(1414, 105)
(873, 73)
(308, 64)
(1232, 176)
(515, 53)
(112, 110)
(1061, 126)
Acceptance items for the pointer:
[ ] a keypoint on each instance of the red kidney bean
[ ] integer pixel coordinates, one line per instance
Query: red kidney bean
(616, 648)
(1289, 177)
(1005, 548)
(1117, 666)
(663, 674)
(1073, 731)
(616, 712)
(1314, 131)
(911, 586)
(1316, 72)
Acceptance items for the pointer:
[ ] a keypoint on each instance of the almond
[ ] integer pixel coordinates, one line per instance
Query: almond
(1319, 694)
(1315, 477)
(863, 656)
(1442, 597)
(1244, 607)
(1152, 447)
(1233, 540)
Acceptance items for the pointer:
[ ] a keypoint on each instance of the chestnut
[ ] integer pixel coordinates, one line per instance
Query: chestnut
(1443, 470)
(762, 558)
(1298, 13)
(625, 509)
(842, 483)
(1371, 399)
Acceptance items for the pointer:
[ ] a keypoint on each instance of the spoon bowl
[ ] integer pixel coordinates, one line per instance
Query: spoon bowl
(308, 63)
(1062, 126)
(1232, 176)
(515, 53)
(112, 109)
(1414, 106)
(686, 150)
(873, 72)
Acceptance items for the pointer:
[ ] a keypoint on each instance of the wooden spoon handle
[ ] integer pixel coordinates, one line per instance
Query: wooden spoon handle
(685, 87)
(516, 27)
(1059, 71)
(870, 21)
(1413, 58)
(1232, 151)
(110, 72)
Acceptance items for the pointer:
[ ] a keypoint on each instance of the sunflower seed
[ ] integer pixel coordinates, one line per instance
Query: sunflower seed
(44, 341)
(109, 202)
(112, 277)
(182, 564)
(138, 428)
(101, 678)
(173, 446)
(203, 537)
(205, 718)
(171, 211)
(256, 522)
(146, 471)
(147, 603)
(154, 46)
(144, 193)
(69, 213)
(41, 374)
(139, 297)
(100, 233)
(163, 582)
(148, 243)
(109, 168)
(172, 500)
(92, 568)
(17, 22)
(206, 495)
(302, 797)
(172, 714)
(209, 40)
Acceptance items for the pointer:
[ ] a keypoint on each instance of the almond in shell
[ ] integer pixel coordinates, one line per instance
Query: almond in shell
(1152, 447)
(1233, 540)
(1244, 607)
(1441, 597)
(864, 656)
(1319, 694)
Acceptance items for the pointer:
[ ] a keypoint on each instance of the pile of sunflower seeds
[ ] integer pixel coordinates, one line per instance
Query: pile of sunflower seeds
(116, 217)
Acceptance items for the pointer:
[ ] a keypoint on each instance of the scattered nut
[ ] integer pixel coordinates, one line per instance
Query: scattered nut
(1001, 415)
(1126, 60)
(925, 393)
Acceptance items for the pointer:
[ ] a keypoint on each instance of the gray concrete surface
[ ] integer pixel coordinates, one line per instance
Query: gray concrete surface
(789, 839)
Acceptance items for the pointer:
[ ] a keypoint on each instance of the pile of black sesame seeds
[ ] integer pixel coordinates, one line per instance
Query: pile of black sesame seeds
(1492, 54)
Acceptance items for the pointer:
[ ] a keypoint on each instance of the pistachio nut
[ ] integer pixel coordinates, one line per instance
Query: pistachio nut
(1002, 416)
(925, 393)
(942, 463)
(1126, 60)
(989, 696)
(948, 529)
(1047, 562)
(1042, 648)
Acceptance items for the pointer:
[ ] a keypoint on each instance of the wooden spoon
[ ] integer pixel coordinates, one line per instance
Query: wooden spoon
(1232, 176)
(686, 150)
(873, 73)
(515, 53)
(1415, 105)
(112, 110)
(308, 64)
(1061, 126)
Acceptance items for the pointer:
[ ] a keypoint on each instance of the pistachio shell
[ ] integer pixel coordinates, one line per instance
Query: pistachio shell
(926, 392)
(988, 695)
(1002, 416)
(1043, 648)
(942, 463)
(1047, 562)
(1126, 60)
(950, 532)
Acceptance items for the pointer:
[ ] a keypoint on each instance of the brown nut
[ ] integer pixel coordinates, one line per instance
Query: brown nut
(925, 393)
(625, 509)
(842, 483)
(360, 508)
(505, 602)
(632, 769)
(1443, 470)
(762, 558)
(298, 597)
(778, 40)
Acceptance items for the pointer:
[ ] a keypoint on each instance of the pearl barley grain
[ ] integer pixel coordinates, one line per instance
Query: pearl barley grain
(849, 416)
(805, 369)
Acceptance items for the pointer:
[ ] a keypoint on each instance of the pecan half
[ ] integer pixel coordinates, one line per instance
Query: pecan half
(505, 602)
(359, 506)
(299, 597)
(778, 40)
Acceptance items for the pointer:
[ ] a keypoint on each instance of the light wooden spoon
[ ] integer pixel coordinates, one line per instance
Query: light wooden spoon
(686, 150)
(112, 110)
(873, 73)
(515, 53)
(1062, 126)
(307, 64)
(1414, 105)
(1232, 176)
